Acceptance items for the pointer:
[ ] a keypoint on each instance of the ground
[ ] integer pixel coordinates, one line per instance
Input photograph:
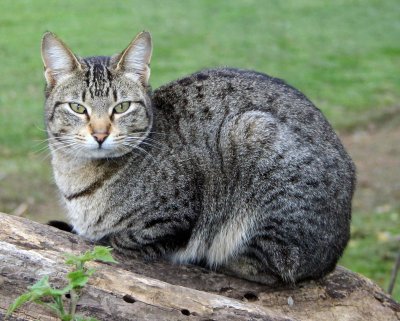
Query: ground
(376, 152)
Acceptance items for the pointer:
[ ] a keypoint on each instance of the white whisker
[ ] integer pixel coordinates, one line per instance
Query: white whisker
(41, 129)
(66, 144)
(155, 133)
(138, 142)
(146, 140)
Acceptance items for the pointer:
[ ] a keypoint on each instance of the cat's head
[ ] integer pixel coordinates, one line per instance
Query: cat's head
(97, 107)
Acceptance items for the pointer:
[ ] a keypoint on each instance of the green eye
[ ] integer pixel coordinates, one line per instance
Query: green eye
(122, 107)
(77, 108)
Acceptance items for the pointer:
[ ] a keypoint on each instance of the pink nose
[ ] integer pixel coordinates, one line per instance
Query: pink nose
(100, 137)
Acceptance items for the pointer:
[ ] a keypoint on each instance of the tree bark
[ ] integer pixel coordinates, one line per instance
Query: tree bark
(138, 290)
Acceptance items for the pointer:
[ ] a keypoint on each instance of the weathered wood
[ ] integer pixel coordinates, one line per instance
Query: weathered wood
(137, 290)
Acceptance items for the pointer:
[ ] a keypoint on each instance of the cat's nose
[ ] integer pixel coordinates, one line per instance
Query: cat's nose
(100, 137)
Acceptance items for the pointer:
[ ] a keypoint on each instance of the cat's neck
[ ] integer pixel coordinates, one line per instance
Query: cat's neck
(74, 174)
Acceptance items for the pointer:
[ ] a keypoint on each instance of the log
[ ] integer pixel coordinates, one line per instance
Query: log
(139, 290)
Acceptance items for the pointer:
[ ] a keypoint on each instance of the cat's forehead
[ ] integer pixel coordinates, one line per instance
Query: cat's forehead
(98, 76)
(99, 84)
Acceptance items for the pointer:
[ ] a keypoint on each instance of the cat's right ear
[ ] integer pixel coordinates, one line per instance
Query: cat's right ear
(59, 61)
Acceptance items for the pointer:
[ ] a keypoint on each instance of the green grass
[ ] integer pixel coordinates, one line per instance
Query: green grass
(344, 55)
(374, 246)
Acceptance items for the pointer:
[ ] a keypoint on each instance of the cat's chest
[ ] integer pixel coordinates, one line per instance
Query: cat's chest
(74, 178)
(85, 191)
(86, 216)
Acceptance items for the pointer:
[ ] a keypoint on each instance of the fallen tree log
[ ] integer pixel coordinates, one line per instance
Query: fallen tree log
(138, 290)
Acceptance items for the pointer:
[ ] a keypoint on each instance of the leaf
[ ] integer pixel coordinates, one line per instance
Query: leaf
(99, 253)
(26, 297)
(103, 254)
(43, 288)
(54, 307)
(37, 291)
(81, 318)
(67, 317)
(78, 278)
(72, 259)
(89, 272)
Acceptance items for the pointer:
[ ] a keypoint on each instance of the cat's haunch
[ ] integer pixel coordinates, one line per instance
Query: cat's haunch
(226, 167)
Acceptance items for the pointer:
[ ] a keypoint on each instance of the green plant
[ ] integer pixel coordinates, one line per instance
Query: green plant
(43, 293)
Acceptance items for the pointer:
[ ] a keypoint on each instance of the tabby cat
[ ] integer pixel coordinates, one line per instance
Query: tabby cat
(227, 168)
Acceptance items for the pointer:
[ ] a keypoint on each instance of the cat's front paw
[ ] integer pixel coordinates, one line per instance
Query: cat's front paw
(249, 269)
(129, 250)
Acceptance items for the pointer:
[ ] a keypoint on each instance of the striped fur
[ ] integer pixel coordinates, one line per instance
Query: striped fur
(227, 168)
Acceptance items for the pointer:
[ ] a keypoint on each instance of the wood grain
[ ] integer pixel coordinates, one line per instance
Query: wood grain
(138, 290)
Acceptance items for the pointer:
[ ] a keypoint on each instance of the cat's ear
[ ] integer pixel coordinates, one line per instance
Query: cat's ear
(135, 59)
(59, 61)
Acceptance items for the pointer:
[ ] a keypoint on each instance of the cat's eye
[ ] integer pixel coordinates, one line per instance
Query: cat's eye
(77, 108)
(122, 107)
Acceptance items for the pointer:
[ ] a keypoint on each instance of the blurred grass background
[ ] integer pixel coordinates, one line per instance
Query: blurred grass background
(344, 55)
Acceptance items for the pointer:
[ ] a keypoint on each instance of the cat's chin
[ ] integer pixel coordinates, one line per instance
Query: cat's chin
(100, 154)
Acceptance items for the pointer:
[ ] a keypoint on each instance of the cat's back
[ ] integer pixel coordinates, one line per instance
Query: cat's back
(204, 101)
(246, 118)
(212, 93)
(235, 89)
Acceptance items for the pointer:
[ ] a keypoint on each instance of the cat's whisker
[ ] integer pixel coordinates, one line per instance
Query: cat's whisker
(137, 148)
(152, 143)
(146, 137)
(78, 149)
(153, 133)
(41, 150)
(133, 146)
(40, 128)
(145, 152)
(47, 155)
(46, 147)
(49, 139)
(56, 147)
(138, 142)
(64, 146)
(40, 146)
(39, 142)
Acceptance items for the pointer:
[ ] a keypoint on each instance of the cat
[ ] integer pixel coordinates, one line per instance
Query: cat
(226, 168)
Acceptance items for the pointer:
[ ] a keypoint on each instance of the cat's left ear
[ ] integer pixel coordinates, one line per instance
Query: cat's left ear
(135, 59)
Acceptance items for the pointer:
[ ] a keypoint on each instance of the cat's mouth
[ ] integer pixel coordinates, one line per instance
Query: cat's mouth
(104, 150)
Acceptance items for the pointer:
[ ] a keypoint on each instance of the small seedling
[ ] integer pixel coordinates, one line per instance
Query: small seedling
(44, 294)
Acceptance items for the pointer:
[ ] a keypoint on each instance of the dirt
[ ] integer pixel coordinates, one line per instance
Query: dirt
(376, 153)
